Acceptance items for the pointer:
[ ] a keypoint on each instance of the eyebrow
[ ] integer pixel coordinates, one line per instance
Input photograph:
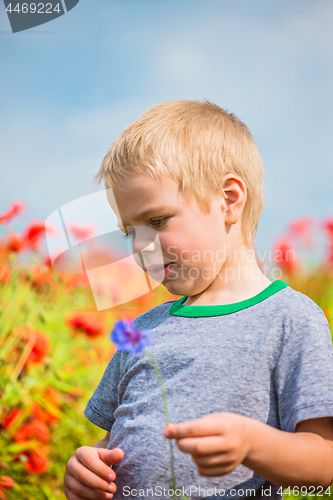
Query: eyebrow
(148, 211)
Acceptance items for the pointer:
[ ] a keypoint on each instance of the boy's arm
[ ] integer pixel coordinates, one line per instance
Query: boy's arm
(219, 442)
(102, 443)
(302, 458)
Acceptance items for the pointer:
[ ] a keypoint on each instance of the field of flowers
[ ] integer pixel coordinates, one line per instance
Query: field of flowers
(54, 347)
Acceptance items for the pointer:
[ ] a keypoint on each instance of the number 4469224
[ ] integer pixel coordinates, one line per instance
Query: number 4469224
(309, 491)
(34, 8)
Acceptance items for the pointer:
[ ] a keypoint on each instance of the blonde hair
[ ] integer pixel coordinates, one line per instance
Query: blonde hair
(196, 143)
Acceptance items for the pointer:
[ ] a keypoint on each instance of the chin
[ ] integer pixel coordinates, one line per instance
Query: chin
(179, 289)
(184, 287)
(174, 288)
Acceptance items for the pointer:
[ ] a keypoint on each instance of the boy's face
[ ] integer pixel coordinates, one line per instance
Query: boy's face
(193, 241)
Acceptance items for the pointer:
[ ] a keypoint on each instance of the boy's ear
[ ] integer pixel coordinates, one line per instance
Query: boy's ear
(235, 194)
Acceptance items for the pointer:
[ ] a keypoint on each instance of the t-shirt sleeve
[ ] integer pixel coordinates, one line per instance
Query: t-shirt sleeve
(104, 401)
(304, 372)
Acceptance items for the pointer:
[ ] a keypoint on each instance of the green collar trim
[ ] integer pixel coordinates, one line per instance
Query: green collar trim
(178, 309)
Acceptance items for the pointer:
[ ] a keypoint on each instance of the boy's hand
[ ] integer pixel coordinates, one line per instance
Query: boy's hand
(88, 473)
(218, 442)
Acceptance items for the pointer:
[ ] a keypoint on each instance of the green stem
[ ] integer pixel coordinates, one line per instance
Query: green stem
(167, 418)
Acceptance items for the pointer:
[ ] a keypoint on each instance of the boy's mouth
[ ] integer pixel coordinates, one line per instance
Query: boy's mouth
(156, 269)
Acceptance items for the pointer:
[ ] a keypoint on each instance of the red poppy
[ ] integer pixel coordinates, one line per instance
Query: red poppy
(37, 462)
(15, 242)
(38, 412)
(15, 208)
(42, 346)
(285, 254)
(32, 234)
(6, 483)
(14, 415)
(328, 226)
(86, 323)
(47, 261)
(36, 430)
(81, 232)
(301, 225)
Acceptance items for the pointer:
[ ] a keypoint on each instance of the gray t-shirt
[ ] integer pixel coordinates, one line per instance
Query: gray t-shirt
(269, 358)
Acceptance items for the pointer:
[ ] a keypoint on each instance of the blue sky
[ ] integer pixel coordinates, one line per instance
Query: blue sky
(69, 87)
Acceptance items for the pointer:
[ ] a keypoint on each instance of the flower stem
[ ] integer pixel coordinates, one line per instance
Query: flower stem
(167, 418)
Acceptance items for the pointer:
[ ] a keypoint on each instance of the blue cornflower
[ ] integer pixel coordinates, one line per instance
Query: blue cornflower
(129, 338)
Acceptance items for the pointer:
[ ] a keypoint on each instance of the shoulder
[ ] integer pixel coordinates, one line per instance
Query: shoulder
(154, 316)
(301, 321)
(295, 309)
(300, 303)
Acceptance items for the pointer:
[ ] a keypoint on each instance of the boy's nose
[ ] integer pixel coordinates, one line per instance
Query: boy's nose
(144, 246)
(145, 240)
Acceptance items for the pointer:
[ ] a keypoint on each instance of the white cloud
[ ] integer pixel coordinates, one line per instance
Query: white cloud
(314, 27)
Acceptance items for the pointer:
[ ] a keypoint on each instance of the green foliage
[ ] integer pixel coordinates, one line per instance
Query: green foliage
(21, 305)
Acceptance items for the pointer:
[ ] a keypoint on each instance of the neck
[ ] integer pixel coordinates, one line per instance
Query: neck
(238, 278)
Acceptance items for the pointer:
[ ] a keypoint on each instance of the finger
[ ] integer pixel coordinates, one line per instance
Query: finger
(88, 477)
(202, 445)
(70, 495)
(81, 491)
(99, 462)
(215, 471)
(204, 426)
(215, 459)
(111, 457)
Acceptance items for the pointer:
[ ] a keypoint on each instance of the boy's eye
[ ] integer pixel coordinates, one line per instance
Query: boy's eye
(159, 221)
(156, 222)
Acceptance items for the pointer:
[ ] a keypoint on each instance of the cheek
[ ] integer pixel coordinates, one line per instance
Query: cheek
(173, 246)
(183, 250)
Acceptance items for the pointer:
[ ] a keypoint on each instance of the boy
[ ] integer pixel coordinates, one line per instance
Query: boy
(247, 363)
